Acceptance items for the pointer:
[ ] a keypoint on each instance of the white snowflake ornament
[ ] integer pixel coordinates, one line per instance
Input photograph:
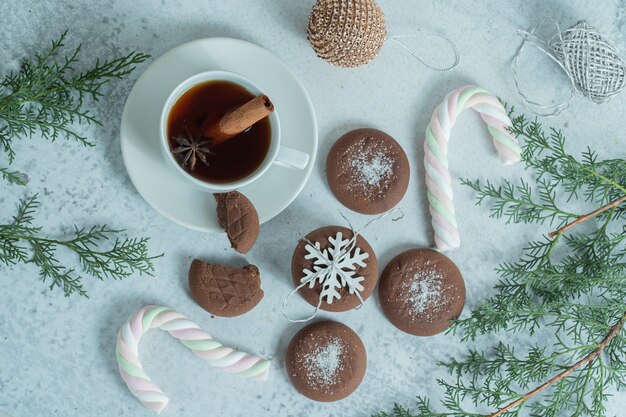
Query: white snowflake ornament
(335, 267)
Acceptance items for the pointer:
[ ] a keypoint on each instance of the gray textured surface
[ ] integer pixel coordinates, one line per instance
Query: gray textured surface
(57, 354)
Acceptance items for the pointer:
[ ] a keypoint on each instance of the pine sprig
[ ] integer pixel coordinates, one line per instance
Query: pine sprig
(567, 290)
(516, 202)
(20, 242)
(545, 154)
(47, 97)
(13, 177)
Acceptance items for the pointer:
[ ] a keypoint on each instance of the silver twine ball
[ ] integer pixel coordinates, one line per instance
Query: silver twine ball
(590, 59)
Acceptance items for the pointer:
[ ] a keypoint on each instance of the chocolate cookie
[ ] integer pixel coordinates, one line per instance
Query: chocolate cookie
(347, 301)
(420, 291)
(367, 171)
(225, 291)
(239, 219)
(326, 361)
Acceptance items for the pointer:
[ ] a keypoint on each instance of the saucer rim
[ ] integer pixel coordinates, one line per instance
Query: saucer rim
(312, 156)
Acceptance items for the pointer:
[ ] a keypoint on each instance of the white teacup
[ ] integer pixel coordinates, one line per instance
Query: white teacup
(277, 154)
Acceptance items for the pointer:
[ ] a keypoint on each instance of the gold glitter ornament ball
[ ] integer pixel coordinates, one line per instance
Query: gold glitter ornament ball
(347, 33)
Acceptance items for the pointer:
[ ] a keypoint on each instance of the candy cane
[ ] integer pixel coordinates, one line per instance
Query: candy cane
(190, 334)
(438, 180)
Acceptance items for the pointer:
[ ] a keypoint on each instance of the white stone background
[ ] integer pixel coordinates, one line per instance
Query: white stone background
(57, 354)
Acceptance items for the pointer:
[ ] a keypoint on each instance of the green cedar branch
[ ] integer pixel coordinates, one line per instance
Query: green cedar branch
(13, 177)
(47, 96)
(615, 330)
(567, 290)
(588, 216)
(21, 242)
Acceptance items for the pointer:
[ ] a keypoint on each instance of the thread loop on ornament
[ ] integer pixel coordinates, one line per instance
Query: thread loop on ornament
(419, 34)
(588, 58)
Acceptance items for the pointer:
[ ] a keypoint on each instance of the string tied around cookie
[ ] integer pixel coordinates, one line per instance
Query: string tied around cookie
(397, 40)
(333, 268)
(589, 59)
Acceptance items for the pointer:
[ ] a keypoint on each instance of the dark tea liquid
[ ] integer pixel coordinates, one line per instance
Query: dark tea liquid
(233, 159)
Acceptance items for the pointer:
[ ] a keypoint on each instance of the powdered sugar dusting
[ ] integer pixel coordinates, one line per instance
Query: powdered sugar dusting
(424, 292)
(373, 169)
(324, 362)
(371, 166)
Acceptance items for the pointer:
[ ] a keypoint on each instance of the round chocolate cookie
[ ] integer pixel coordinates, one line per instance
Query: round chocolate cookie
(326, 361)
(367, 171)
(347, 301)
(420, 291)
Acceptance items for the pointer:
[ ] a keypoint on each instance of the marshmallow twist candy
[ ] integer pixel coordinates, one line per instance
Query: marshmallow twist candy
(190, 335)
(438, 179)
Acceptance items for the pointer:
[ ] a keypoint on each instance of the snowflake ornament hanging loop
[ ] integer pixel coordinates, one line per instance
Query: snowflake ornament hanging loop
(333, 268)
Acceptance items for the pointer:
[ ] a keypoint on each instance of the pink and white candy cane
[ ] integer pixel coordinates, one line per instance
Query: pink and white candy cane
(190, 334)
(438, 179)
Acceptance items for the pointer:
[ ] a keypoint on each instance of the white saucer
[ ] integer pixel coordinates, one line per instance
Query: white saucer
(166, 191)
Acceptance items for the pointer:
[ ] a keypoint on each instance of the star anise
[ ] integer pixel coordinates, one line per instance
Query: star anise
(190, 149)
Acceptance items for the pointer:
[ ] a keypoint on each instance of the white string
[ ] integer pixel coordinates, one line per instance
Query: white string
(534, 106)
(349, 247)
(311, 317)
(455, 50)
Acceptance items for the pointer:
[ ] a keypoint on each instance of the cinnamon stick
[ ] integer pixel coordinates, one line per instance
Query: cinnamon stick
(240, 119)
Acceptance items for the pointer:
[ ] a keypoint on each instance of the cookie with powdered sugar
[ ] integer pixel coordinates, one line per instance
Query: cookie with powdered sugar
(367, 171)
(421, 291)
(326, 361)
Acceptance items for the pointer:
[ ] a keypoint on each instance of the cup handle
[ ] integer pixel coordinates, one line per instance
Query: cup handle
(291, 158)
